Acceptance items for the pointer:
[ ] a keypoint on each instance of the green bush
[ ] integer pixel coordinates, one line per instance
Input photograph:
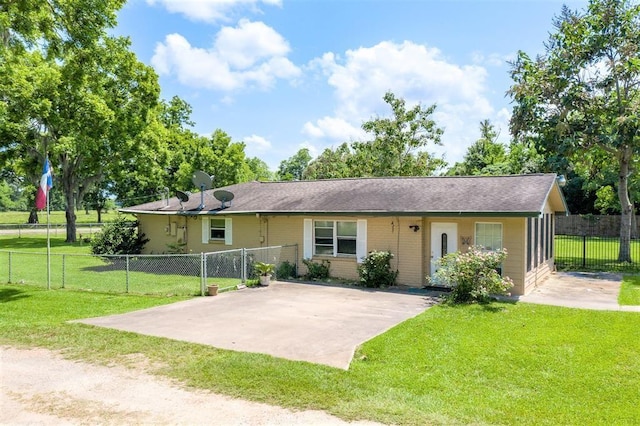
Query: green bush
(286, 270)
(119, 237)
(473, 275)
(375, 270)
(317, 271)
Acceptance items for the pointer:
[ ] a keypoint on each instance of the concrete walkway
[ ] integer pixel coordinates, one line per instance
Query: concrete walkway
(316, 323)
(586, 290)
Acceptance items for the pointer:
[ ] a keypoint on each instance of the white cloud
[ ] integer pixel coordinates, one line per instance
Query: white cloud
(493, 59)
(334, 128)
(251, 54)
(211, 10)
(414, 72)
(256, 143)
(249, 43)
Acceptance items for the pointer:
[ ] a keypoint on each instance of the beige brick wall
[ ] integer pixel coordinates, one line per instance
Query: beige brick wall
(513, 236)
(411, 250)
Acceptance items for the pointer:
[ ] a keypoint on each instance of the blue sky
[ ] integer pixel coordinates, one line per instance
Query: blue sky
(282, 75)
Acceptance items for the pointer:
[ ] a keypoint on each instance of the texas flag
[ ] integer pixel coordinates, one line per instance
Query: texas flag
(46, 183)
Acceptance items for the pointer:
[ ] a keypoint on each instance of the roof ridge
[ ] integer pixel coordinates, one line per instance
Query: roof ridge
(401, 178)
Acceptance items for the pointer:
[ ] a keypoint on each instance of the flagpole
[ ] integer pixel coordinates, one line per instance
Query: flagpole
(48, 247)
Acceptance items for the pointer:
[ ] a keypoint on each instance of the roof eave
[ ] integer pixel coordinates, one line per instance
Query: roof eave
(342, 213)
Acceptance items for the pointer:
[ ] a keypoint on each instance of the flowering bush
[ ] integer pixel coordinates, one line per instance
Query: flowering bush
(473, 275)
(375, 270)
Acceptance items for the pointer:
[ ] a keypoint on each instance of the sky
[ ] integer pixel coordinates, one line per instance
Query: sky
(283, 75)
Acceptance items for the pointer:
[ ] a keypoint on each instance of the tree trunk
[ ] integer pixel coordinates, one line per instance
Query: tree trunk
(69, 196)
(70, 214)
(33, 216)
(626, 209)
(99, 210)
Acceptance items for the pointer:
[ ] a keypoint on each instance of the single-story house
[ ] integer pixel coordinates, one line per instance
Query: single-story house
(418, 219)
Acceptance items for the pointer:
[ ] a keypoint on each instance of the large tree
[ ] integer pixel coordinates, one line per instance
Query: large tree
(70, 91)
(584, 92)
(400, 142)
(398, 146)
(486, 156)
(293, 168)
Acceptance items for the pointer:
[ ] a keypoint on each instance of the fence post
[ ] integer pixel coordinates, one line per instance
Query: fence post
(203, 270)
(205, 274)
(126, 256)
(243, 260)
(64, 256)
(584, 251)
(10, 278)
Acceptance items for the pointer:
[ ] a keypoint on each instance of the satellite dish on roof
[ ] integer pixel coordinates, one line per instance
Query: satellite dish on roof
(223, 196)
(202, 180)
(183, 196)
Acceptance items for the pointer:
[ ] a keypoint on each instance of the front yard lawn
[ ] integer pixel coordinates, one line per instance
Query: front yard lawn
(474, 364)
(630, 290)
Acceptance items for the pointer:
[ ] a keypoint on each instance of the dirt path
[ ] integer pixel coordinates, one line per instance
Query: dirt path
(38, 386)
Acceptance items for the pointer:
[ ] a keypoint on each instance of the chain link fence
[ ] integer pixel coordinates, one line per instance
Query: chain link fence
(239, 264)
(84, 230)
(166, 274)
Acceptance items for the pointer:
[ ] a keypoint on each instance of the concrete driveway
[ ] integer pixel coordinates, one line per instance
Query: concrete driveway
(307, 322)
(586, 290)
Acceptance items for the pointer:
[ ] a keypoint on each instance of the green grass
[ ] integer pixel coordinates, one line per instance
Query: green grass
(72, 267)
(57, 217)
(601, 254)
(630, 290)
(491, 364)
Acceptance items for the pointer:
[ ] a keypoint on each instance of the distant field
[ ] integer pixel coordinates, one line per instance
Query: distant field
(57, 217)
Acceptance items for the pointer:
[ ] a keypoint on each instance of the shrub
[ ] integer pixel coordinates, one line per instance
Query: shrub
(119, 237)
(263, 268)
(473, 275)
(286, 270)
(317, 271)
(375, 270)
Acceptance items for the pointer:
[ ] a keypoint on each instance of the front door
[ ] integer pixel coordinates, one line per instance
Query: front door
(444, 239)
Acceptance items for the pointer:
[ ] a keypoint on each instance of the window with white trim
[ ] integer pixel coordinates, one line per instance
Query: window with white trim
(335, 237)
(217, 229)
(489, 235)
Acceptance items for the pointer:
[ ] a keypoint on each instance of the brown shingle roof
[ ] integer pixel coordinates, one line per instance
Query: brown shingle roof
(519, 195)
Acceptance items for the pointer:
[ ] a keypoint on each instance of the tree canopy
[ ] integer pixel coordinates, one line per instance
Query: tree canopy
(583, 93)
(70, 92)
(398, 146)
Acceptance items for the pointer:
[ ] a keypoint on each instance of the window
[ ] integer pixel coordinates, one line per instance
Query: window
(332, 238)
(346, 237)
(489, 235)
(323, 231)
(217, 229)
